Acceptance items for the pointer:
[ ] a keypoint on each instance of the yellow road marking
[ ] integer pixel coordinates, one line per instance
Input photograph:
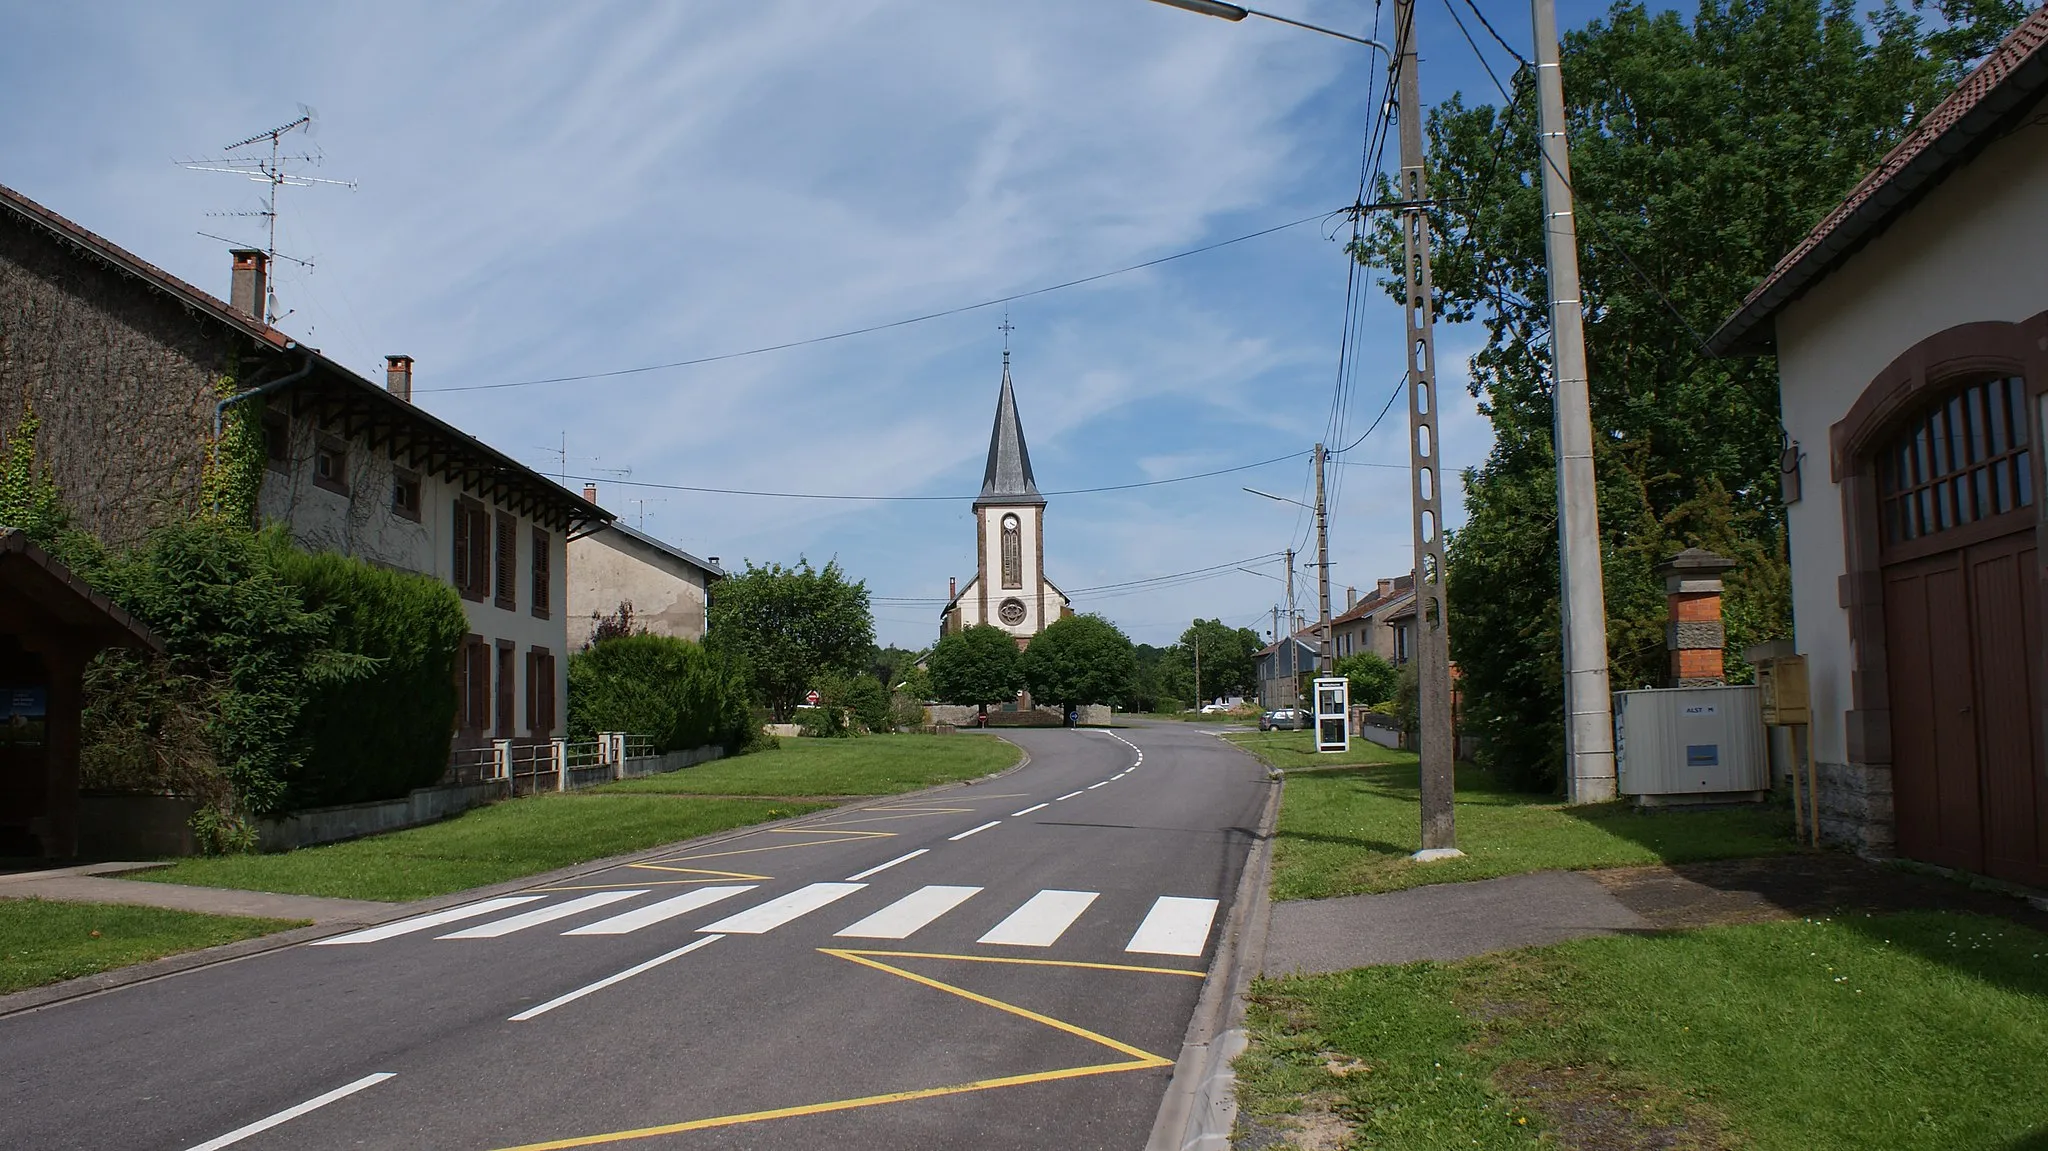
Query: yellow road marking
(637, 883)
(696, 871)
(1140, 1060)
(842, 837)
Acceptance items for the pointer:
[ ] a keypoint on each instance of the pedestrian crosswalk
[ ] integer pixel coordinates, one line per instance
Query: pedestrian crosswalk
(1173, 925)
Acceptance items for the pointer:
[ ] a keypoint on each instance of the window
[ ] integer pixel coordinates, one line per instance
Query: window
(506, 547)
(277, 441)
(471, 569)
(543, 574)
(540, 692)
(1013, 554)
(1400, 643)
(330, 466)
(473, 686)
(405, 495)
(1962, 460)
(508, 662)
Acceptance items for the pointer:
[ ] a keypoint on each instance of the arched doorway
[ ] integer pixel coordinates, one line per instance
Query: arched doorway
(1954, 482)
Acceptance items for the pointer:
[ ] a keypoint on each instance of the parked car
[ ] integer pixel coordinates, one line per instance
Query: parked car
(1215, 708)
(1283, 719)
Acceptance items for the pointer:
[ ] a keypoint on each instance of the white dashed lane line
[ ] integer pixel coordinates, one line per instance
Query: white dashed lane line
(1029, 810)
(607, 981)
(293, 1112)
(972, 831)
(1070, 795)
(880, 868)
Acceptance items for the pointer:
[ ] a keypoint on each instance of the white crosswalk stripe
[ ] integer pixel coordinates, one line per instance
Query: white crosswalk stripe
(911, 913)
(630, 921)
(1175, 926)
(542, 915)
(423, 922)
(768, 916)
(1041, 920)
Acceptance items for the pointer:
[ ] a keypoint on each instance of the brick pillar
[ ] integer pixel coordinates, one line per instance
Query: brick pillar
(1694, 635)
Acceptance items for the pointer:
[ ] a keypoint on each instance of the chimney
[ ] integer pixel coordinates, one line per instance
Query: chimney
(398, 376)
(1350, 598)
(1386, 588)
(590, 493)
(1695, 636)
(251, 285)
(714, 560)
(952, 588)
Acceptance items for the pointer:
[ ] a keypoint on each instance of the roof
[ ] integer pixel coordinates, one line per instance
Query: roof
(1007, 480)
(1306, 638)
(54, 591)
(1400, 586)
(1997, 94)
(337, 395)
(667, 549)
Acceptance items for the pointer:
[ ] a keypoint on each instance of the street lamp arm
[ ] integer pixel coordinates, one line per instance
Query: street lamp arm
(1234, 13)
(1270, 495)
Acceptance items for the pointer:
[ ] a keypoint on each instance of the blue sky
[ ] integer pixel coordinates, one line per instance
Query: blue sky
(550, 190)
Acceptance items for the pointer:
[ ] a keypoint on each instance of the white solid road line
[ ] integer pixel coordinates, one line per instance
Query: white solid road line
(905, 916)
(1029, 810)
(608, 980)
(971, 831)
(773, 914)
(423, 922)
(291, 1113)
(880, 868)
(1175, 926)
(660, 912)
(1070, 795)
(542, 915)
(1042, 920)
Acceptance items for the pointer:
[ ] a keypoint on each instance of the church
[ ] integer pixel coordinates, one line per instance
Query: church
(1009, 588)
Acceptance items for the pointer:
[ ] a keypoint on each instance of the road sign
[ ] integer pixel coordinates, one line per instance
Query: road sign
(812, 699)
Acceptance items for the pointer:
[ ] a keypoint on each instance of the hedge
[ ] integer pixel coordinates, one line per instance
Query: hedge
(661, 686)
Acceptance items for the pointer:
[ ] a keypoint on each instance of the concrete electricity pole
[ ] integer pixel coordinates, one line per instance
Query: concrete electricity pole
(1325, 658)
(1433, 645)
(1589, 719)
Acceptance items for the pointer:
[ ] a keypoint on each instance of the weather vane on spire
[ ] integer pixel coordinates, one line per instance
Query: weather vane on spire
(1006, 327)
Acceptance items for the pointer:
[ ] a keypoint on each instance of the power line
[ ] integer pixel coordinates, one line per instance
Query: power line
(885, 326)
(929, 499)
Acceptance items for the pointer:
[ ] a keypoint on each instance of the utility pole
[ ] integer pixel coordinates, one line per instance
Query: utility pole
(1293, 652)
(1589, 718)
(1198, 671)
(1432, 646)
(1325, 660)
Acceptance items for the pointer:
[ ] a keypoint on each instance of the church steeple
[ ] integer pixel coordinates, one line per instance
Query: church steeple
(1007, 479)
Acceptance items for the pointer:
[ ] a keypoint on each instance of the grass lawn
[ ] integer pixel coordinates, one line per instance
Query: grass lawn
(869, 765)
(1350, 830)
(1909, 1031)
(485, 845)
(43, 941)
(1296, 751)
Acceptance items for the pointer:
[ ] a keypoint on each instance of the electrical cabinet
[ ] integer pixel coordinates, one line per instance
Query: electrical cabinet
(1690, 744)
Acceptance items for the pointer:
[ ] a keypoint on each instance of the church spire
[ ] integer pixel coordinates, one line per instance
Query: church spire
(1008, 477)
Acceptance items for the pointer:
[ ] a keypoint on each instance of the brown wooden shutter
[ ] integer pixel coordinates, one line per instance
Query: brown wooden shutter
(542, 574)
(479, 586)
(458, 573)
(532, 691)
(476, 685)
(547, 692)
(508, 561)
(507, 680)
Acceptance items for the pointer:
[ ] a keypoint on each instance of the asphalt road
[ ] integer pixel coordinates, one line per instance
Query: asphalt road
(1006, 965)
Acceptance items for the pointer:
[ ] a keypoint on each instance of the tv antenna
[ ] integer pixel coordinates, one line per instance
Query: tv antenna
(563, 459)
(272, 169)
(640, 509)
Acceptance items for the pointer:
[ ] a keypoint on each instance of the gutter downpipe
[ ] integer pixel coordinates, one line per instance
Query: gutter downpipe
(220, 409)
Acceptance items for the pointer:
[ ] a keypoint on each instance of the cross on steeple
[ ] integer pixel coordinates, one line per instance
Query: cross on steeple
(1006, 327)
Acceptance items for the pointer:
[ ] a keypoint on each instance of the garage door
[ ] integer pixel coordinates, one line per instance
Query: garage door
(1962, 630)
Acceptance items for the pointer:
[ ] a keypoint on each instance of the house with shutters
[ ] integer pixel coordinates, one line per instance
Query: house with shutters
(1911, 332)
(1381, 623)
(127, 370)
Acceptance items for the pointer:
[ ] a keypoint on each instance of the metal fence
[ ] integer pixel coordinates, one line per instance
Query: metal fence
(556, 765)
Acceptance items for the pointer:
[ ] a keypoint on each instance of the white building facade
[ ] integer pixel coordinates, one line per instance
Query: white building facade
(1009, 588)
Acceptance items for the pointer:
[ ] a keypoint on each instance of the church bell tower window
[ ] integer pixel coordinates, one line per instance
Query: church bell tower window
(1012, 611)
(1013, 554)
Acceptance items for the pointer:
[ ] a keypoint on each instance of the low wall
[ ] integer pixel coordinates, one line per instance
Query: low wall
(432, 804)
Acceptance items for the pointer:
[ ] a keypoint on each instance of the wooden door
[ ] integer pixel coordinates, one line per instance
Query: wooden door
(2004, 626)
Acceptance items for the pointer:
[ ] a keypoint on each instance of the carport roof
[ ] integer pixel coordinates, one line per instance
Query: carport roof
(44, 582)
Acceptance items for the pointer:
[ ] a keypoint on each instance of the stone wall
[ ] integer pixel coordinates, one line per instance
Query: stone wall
(121, 377)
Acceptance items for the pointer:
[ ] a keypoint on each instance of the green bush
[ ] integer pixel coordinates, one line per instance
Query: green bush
(822, 723)
(862, 697)
(382, 730)
(657, 685)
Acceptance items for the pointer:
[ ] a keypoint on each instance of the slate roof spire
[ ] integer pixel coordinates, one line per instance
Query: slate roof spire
(1008, 477)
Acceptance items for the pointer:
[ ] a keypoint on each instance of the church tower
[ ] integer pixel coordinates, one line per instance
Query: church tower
(1009, 588)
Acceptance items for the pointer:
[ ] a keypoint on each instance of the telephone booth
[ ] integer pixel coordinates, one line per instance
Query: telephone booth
(1333, 714)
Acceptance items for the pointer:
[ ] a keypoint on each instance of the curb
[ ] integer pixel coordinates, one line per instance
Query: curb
(1200, 1108)
(86, 986)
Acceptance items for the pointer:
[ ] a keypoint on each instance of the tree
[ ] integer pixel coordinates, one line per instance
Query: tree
(1229, 659)
(1701, 153)
(789, 627)
(976, 665)
(1079, 659)
(1372, 677)
(656, 685)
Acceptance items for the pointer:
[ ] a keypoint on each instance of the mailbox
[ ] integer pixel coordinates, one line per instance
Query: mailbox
(1781, 691)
